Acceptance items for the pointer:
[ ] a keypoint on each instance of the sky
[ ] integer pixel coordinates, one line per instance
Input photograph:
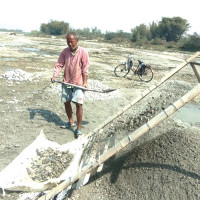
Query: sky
(106, 15)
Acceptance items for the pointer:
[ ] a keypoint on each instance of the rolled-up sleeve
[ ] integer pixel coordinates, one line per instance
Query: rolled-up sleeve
(85, 62)
(59, 64)
(57, 69)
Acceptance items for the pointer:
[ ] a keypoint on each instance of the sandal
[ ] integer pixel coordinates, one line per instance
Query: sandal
(78, 133)
(68, 125)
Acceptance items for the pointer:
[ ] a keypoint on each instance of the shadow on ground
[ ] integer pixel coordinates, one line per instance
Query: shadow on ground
(49, 116)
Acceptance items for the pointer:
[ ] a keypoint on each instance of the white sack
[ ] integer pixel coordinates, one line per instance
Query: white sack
(15, 177)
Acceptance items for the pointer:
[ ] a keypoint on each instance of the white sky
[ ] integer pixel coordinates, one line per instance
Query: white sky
(110, 15)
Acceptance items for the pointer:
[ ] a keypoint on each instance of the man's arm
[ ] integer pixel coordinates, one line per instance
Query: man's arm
(58, 66)
(85, 66)
(85, 80)
(57, 69)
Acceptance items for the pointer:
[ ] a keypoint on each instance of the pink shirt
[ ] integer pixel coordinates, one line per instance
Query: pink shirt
(75, 66)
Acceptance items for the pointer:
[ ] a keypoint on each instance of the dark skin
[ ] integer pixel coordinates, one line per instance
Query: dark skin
(72, 43)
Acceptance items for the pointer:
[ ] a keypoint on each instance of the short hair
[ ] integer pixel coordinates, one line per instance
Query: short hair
(74, 35)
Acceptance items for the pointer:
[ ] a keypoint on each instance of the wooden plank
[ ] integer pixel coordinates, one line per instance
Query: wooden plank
(195, 63)
(88, 159)
(99, 169)
(83, 180)
(196, 71)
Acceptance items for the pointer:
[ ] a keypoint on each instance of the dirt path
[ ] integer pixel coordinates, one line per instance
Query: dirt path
(166, 167)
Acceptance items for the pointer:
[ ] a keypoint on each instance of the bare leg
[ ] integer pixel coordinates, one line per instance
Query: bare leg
(79, 113)
(68, 109)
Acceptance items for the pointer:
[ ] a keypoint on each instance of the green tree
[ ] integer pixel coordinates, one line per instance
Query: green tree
(172, 29)
(109, 35)
(190, 43)
(154, 30)
(55, 28)
(141, 32)
(44, 28)
(96, 32)
(119, 35)
(86, 32)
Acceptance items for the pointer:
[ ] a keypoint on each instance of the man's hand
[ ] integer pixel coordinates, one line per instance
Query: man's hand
(53, 80)
(85, 85)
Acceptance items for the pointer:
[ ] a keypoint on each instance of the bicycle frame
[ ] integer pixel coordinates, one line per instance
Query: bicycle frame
(144, 71)
(129, 63)
(135, 69)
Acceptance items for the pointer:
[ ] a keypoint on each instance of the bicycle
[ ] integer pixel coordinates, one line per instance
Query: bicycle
(145, 72)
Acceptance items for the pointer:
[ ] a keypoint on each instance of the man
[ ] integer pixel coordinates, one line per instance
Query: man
(75, 61)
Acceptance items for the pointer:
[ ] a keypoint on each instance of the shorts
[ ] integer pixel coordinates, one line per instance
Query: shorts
(72, 94)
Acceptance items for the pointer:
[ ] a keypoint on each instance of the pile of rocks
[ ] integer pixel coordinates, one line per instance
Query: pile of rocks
(50, 164)
(98, 96)
(17, 75)
(154, 106)
(149, 107)
(92, 96)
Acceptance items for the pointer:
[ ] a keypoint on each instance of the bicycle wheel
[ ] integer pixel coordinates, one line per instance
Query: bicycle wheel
(121, 71)
(145, 73)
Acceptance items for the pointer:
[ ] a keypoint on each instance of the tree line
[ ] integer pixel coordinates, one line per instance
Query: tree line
(169, 29)
(11, 30)
(170, 32)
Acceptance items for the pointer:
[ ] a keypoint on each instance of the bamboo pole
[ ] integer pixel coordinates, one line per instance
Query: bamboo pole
(87, 159)
(196, 71)
(104, 150)
(143, 94)
(195, 63)
(127, 140)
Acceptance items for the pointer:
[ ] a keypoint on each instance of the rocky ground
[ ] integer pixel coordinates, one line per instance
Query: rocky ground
(162, 164)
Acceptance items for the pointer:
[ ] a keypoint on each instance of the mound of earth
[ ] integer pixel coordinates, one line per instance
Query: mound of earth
(167, 167)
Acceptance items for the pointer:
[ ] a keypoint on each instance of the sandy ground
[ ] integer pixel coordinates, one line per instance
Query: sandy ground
(163, 164)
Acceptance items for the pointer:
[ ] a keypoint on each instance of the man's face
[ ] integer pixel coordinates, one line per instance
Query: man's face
(72, 42)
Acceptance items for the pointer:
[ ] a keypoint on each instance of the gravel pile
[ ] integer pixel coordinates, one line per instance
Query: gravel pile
(148, 108)
(97, 96)
(132, 122)
(164, 168)
(17, 75)
(50, 164)
(92, 96)
(28, 196)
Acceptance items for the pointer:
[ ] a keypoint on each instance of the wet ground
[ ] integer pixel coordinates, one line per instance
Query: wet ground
(190, 113)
